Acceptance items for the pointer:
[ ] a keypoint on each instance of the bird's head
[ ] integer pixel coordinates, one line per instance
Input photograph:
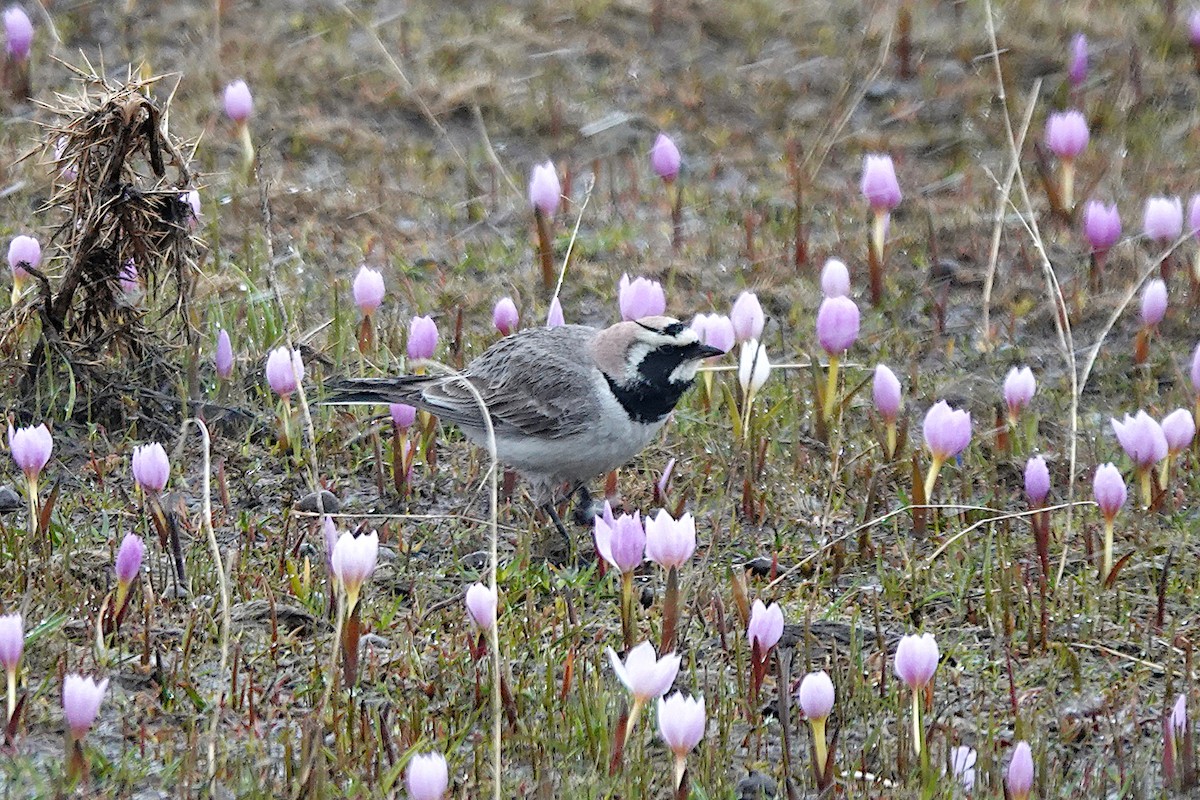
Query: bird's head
(659, 352)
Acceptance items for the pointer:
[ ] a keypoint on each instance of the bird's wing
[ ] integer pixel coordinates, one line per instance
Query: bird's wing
(538, 383)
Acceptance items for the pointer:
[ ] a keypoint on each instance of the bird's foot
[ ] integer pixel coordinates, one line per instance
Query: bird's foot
(586, 509)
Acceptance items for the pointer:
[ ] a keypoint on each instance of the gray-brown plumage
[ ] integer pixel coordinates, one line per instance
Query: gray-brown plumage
(567, 403)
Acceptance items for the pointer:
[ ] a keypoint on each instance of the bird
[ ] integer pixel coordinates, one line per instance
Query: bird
(567, 403)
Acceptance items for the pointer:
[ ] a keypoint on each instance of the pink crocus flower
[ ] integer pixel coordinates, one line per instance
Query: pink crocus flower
(368, 290)
(640, 298)
(151, 467)
(681, 722)
(670, 542)
(665, 158)
(545, 191)
(505, 316)
(622, 543)
(238, 102)
(422, 338)
(81, 698)
(427, 777)
(284, 370)
(481, 604)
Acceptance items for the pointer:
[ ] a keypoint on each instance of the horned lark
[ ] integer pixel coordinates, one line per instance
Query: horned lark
(567, 403)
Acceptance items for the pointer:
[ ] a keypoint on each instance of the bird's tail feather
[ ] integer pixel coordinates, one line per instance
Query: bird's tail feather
(376, 391)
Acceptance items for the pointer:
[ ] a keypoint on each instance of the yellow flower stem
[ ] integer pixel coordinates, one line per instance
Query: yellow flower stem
(634, 712)
(1164, 476)
(877, 234)
(12, 692)
(680, 766)
(891, 438)
(34, 526)
(831, 388)
(1068, 184)
(1144, 478)
(818, 732)
(931, 476)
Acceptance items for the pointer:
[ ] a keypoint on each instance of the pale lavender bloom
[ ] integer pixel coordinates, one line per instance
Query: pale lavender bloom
(962, 766)
(622, 543)
(917, 659)
(1078, 69)
(1154, 302)
(640, 298)
(129, 558)
(681, 722)
(670, 542)
(238, 102)
(1142, 439)
(192, 198)
(223, 359)
(422, 338)
(879, 184)
(835, 279)
(1037, 481)
(554, 317)
(427, 777)
(30, 448)
(747, 317)
(665, 158)
(947, 430)
(643, 674)
(18, 30)
(816, 695)
(130, 283)
(481, 606)
(284, 370)
(505, 316)
(330, 534)
(886, 392)
(1194, 28)
(1019, 386)
(1195, 371)
(81, 698)
(1194, 215)
(545, 191)
(1179, 718)
(353, 563)
(23, 251)
(1162, 221)
(12, 641)
(60, 150)
(1101, 225)
(766, 626)
(664, 480)
(1178, 429)
(151, 468)
(1108, 488)
(1020, 772)
(368, 289)
(1066, 134)
(754, 367)
(837, 324)
(403, 415)
(714, 330)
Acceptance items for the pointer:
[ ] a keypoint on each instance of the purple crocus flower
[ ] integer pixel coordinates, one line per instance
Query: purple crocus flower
(947, 430)
(223, 358)
(238, 102)
(835, 278)
(886, 392)
(1194, 373)
(403, 415)
(1019, 386)
(665, 158)
(640, 298)
(129, 558)
(1078, 69)
(1066, 134)
(1178, 429)
(545, 191)
(422, 338)
(81, 698)
(1101, 225)
(837, 324)
(18, 31)
(917, 660)
(23, 251)
(1142, 439)
(1108, 489)
(481, 606)
(427, 777)
(1020, 772)
(151, 468)
(284, 370)
(505, 316)
(554, 317)
(1154, 302)
(621, 543)
(1162, 221)
(12, 642)
(368, 289)
(765, 628)
(879, 184)
(747, 317)
(1037, 481)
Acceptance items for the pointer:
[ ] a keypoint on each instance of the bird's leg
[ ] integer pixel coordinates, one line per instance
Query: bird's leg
(558, 523)
(587, 508)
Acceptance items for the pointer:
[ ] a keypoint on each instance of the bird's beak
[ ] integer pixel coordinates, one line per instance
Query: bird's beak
(700, 350)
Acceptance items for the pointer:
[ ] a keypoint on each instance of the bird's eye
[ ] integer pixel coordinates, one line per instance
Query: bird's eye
(674, 329)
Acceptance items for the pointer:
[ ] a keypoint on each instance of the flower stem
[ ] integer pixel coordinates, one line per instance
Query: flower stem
(12, 693)
(1068, 184)
(670, 611)
(891, 438)
(818, 732)
(34, 522)
(1106, 565)
(931, 477)
(1144, 477)
(627, 609)
(916, 719)
(636, 710)
(831, 388)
